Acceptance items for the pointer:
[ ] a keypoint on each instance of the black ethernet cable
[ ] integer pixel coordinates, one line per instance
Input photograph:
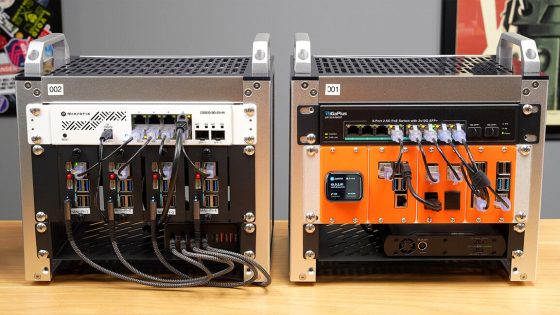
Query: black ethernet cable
(479, 180)
(407, 175)
(188, 256)
(161, 144)
(397, 165)
(142, 148)
(425, 161)
(108, 156)
(174, 173)
(447, 160)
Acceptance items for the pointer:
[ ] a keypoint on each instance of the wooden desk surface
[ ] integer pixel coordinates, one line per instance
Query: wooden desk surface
(398, 294)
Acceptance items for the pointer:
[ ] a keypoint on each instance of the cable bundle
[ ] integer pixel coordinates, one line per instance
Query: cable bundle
(199, 252)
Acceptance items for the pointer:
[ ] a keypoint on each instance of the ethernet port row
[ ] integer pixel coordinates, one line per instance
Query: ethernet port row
(366, 130)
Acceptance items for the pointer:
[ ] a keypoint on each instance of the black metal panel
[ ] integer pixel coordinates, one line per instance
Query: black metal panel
(529, 125)
(307, 122)
(515, 240)
(45, 177)
(241, 183)
(311, 241)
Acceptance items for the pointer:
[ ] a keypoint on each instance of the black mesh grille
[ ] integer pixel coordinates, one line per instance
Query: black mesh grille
(408, 66)
(93, 66)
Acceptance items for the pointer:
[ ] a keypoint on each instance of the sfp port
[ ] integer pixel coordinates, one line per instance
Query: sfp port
(218, 135)
(202, 134)
(503, 168)
(82, 185)
(82, 201)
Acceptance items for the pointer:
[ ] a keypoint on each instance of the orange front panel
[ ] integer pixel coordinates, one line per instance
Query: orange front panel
(452, 211)
(382, 205)
(344, 159)
(491, 154)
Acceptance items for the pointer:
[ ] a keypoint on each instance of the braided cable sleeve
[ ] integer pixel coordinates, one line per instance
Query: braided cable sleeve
(229, 284)
(163, 261)
(118, 253)
(185, 256)
(106, 271)
(249, 260)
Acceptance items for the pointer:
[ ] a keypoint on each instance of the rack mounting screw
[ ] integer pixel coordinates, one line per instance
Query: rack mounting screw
(257, 85)
(311, 138)
(249, 217)
(249, 140)
(480, 149)
(525, 149)
(310, 217)
(43, 253)
(249, 110)
(302, 276)
(504, 149)
(478, 220)
(38, 150)
(313, 92)
(521, 217)
(380, 220)
(37, 276)
(501, 220)
(429, 220)
(519, 227)
(526, 92)
(35, 111)
(535, 84)
(311, 150)
(309, 228)
(304, 85)
(381, 149)
(355, 220)
(27, 85)
(523, 276)
(41, 216)
(403, 220)
(452, 220)
(250, 254)
(527, 109)
(331, 220)
(249, 150)
(333, 150)
(41, 227)
(517, 253)
(37, 92)
(431, 149)
(36, 139)
(309, 254)
(248, 92)
(249, 228)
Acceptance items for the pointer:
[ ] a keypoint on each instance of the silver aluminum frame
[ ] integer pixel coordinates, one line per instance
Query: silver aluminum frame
(87, 89)
(461, 88)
